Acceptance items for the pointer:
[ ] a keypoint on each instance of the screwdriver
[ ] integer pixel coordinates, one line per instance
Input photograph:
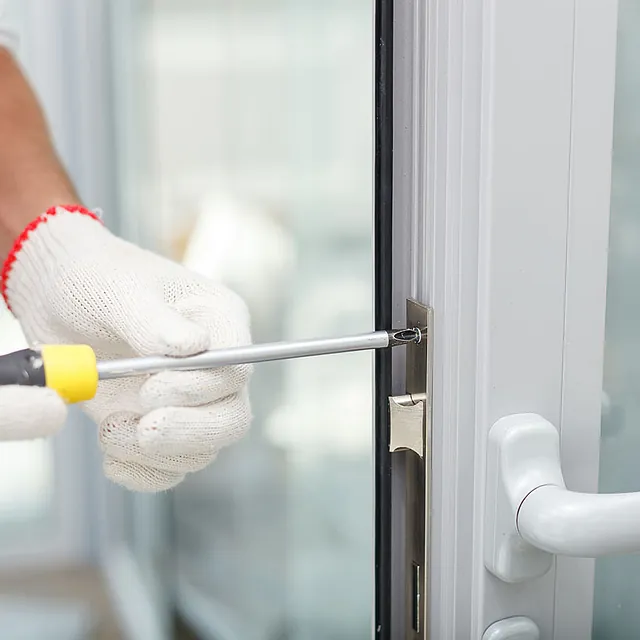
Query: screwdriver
(74, 372)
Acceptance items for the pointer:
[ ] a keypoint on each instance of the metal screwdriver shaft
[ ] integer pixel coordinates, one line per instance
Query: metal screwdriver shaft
(110, 369)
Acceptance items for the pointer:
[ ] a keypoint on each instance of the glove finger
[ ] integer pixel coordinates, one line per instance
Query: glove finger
(151, 326)
(138, 477)
(222, 312)
(189, 430)
(192, 388)
(224, 316)
(118, 436)
(122, 395)
(30, 412)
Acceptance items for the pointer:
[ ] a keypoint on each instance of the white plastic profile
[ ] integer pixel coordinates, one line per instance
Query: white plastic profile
(581, 524)
(531, 515)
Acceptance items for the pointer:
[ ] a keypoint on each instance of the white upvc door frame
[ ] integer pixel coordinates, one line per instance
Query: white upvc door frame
(503, 135)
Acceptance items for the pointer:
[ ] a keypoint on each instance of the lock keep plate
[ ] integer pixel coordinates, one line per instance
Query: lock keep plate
(410, 428)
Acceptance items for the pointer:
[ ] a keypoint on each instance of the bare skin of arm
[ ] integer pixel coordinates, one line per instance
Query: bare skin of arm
(32, 178)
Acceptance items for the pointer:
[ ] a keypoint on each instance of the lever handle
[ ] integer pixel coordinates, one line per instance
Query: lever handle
(586, 525)
(530, 515)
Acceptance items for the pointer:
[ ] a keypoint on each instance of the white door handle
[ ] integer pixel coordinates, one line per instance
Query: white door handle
(530, 515)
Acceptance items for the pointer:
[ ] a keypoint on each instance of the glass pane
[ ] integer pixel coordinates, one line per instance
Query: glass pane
(616, 612)
(247, 147)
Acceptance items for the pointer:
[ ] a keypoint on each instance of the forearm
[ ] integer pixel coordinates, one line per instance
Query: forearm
(31, 175)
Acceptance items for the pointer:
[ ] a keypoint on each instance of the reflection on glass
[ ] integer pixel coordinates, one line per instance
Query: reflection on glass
(616, 612)
(26, 468)
(255, 124)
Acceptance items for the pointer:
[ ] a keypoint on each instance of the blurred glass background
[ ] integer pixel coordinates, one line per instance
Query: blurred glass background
(616, 613)
(242, 145)
(255, 167)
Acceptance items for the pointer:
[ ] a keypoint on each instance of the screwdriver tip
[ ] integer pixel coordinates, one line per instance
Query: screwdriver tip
(406, 336)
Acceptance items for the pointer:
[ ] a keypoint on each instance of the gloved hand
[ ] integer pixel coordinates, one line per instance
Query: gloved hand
(30, 412)
(70, 281)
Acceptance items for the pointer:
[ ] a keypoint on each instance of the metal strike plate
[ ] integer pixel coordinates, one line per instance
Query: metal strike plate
(410, 427)
(407, 424)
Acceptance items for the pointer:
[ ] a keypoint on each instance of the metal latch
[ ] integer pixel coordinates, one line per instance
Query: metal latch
(410, 429)
(407, 423)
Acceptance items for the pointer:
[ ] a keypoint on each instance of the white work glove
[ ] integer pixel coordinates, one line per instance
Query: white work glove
(30, 412)
(70, 281)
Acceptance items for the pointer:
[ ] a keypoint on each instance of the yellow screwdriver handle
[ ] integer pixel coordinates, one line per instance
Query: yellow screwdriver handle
(71, 370)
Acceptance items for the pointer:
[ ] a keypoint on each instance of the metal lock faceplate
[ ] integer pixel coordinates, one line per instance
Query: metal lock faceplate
(410, 427)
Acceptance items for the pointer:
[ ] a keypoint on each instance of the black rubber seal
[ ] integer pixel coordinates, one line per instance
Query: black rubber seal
(383, 237)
